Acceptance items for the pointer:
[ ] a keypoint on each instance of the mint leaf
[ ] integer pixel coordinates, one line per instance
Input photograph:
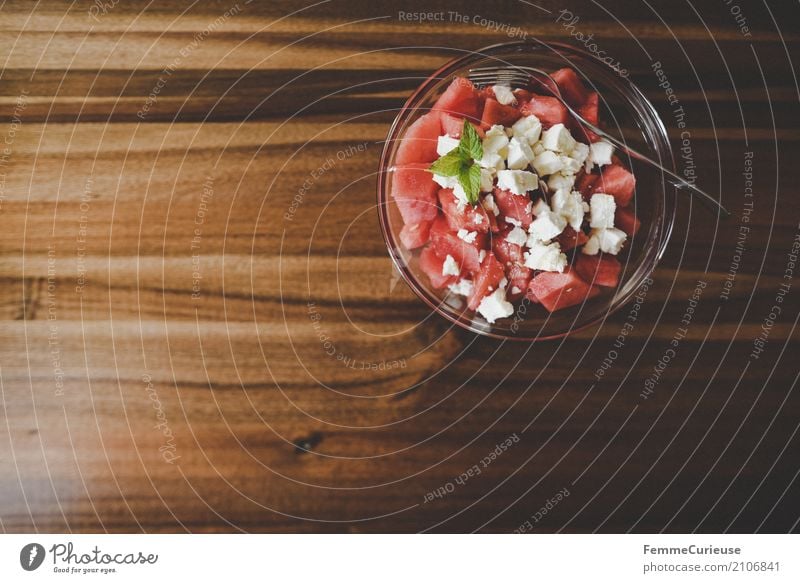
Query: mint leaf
(451, 164)
(470, 181)
(470, 145)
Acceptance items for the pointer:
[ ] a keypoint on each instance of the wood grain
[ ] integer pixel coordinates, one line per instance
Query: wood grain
(297, 384)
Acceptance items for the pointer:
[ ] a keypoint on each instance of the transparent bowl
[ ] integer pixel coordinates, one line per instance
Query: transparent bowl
(624, 112)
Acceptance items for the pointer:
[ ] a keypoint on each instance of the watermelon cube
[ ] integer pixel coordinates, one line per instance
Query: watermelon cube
(415, 235)
(512, 205)
(507, 252)
(599, 269)
(445, 242)
(549, 110)
(572, 88)
(590, 111)
(486, 280)
(556, 291)
(431, 265)
(471, 218)
(414, 191)
(461, 99)
(495, 112)
(626, 220)
(518, 277)
(585, 183)
(618, 182)
(419, 142)
(453, 125)
(569, 238)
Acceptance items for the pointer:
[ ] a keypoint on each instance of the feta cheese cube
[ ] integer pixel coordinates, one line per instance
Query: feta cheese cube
(490, 205)
(570, 206)
(463, 287)
(446, 144)
(520, 154)
(504, 95)
(602, 207)
(517, 236)
(546, 226)
(527, 129)
(496, 141)
(468, 236)
(538, 148)
(547, 163)
(569, 165)
(495, 306)
(558, 139)
(450, 267)
(600, 152)
(546, 257)
(492, 161)
(560, 181)
(517, 181)
(487, 181)
(605, 240)
(580, 153)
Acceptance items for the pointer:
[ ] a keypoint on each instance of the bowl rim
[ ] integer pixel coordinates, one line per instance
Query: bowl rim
(666, 217)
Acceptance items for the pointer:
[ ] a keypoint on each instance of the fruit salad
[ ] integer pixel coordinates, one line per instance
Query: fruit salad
(505, 196)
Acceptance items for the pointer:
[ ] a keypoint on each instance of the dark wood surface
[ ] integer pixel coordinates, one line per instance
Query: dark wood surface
(257, 404)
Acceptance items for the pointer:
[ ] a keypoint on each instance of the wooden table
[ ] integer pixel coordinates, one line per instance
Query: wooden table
(202, 331)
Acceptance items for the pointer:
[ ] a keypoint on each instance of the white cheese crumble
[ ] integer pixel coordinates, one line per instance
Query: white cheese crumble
(513, 221)
(490, 205)
(559, 181)
(570, 206)
(602, 211)
(558, 139)
(450, 267)
(445, 144)
(540, 207)
(495, 306)
(546, 226)
(546, 257)
(605, 240)
(520, 154)
(504, 95)
(517, 236)
(547, 163)
(468, 236)
(600, 153)
(487, 181)
(517, 181)
(527, 129)
(463, 287)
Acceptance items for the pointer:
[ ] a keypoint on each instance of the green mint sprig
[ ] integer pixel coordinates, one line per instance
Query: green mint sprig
(462, 162)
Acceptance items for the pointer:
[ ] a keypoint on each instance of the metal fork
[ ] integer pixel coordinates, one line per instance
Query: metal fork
(521, 77)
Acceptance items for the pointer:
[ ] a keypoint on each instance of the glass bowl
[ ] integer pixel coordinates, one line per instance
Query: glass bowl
(625, 112)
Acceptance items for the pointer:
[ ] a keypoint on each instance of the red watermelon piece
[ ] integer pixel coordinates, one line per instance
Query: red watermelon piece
(599, 269)
(495, 112)
(414, 191)
(590, 111)
(549, 110)
(618, 182)
(626, 220)
(518, 276)
(584, 183)
(453, 126)
(460, 98)
(415, 235)
(569, 238)
(486, 280)
(418, 144)
(445, 242)
(506, 252)
(431, 265)
(572, 88)
(556, 291)
(471, 218)
(513, 205)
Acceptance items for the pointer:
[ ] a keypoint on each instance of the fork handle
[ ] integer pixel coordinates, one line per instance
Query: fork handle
(672, 178)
